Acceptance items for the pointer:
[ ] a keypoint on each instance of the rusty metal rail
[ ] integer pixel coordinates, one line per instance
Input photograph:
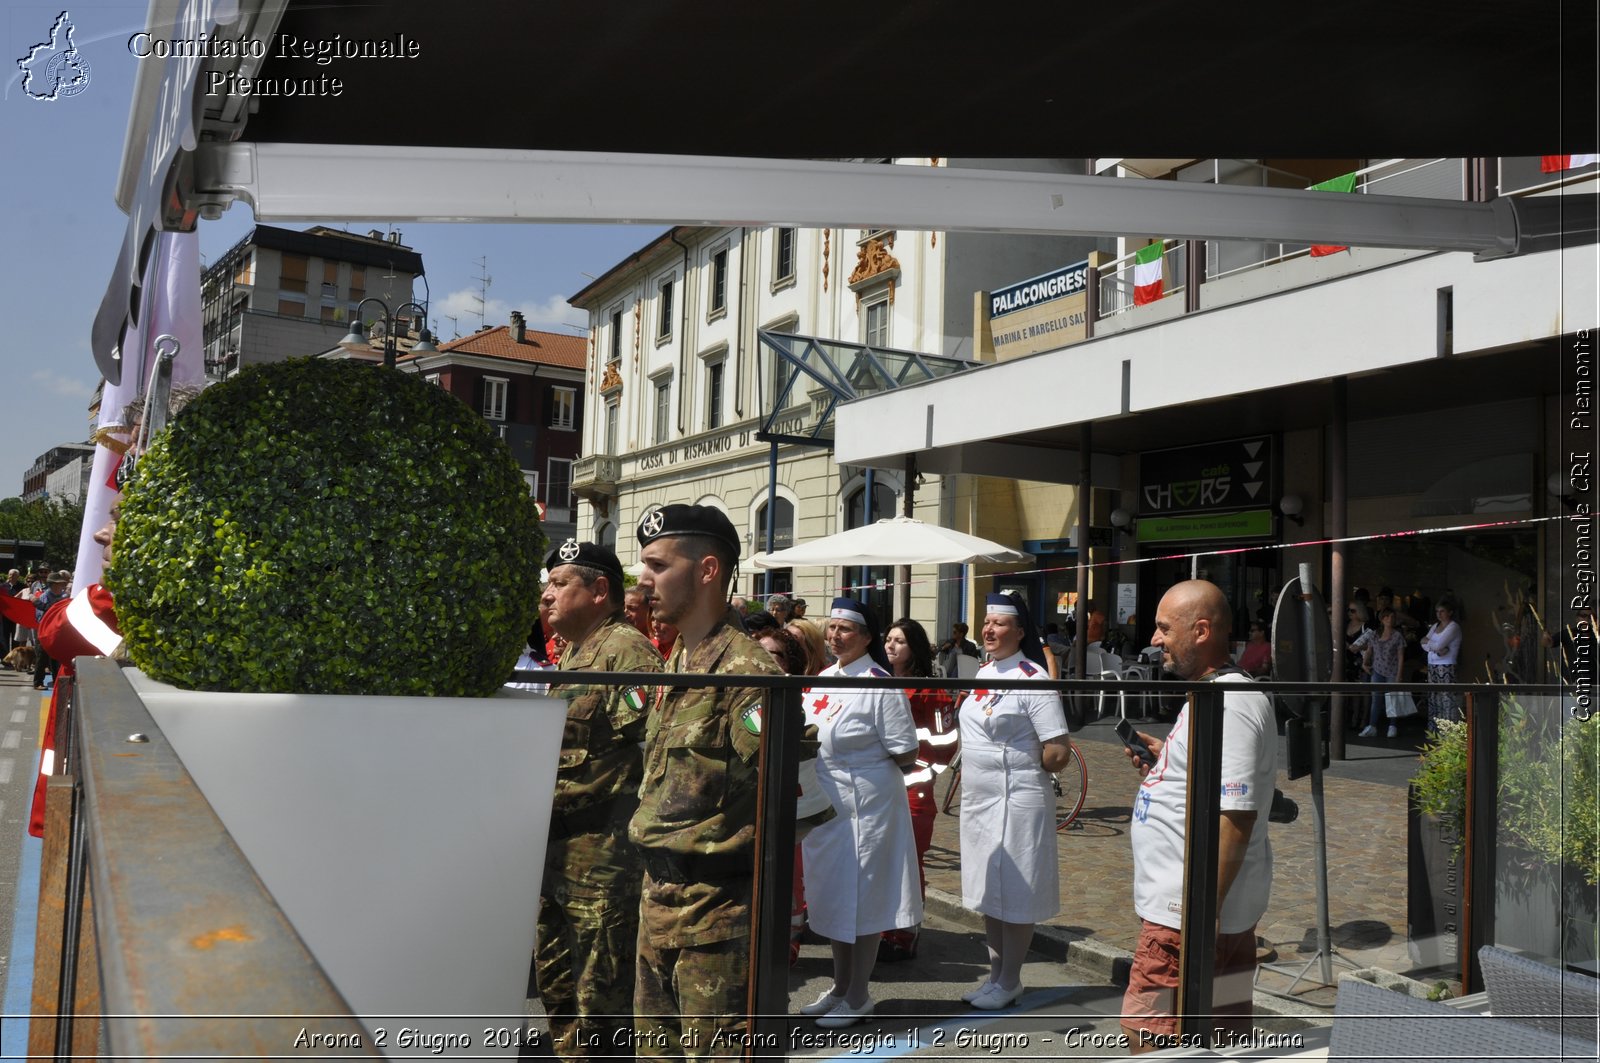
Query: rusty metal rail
(177, 947)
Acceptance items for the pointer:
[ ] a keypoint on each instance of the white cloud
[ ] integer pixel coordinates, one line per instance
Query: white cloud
(551, 315)
(60, 384)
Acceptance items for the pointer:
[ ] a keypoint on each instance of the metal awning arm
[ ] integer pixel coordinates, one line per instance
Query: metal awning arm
(316, 182)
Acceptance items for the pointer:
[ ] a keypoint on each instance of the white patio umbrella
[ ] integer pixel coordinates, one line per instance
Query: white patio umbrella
(892, 541)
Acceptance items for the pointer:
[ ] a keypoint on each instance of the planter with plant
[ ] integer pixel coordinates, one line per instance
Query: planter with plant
(326, 572)
(1547, 811)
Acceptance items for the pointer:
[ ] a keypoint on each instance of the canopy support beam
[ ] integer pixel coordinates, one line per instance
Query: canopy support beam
(312, 182)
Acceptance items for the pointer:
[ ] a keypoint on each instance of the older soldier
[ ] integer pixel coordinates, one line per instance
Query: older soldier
(695, 827)
(589, 902)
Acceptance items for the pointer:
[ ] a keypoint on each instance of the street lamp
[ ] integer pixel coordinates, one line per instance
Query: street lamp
(356, 338)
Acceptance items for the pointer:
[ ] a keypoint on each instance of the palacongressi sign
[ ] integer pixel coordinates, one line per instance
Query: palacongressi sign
(1040, 314)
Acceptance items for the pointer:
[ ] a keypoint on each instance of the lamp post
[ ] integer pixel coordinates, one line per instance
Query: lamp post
(356, 338)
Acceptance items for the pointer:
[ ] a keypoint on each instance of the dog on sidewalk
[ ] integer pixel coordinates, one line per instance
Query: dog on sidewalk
(21, 658)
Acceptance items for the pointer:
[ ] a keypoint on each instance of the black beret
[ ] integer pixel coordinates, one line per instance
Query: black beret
(678, 519)
(592, 555)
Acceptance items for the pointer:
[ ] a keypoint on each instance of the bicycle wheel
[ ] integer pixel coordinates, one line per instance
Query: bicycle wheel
(1072, 787)
(952, 789)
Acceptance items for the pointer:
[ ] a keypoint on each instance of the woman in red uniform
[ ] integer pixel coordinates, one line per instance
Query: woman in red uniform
(911, 655)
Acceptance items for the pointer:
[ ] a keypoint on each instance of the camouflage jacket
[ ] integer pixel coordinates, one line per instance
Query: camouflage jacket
(600, 757)
(698, 798)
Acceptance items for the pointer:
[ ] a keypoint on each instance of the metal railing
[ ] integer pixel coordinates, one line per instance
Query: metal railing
(139, 873)
(1116, 278)
(1436, 178)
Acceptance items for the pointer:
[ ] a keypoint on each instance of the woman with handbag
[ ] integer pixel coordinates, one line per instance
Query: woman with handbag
(1386, 648)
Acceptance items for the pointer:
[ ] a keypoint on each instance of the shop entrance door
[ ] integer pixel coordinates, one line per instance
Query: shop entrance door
(1250, 580)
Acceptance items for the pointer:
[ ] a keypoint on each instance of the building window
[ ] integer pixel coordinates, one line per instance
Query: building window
(532, 478)
(291, 307)
(783, 260)
(563, 407)
(494, 398)
(782, 525)
(613, 414)
(616, 335)
(358, 284)
(664, 312)
(714, 395)
(433, 378)
(292, 275)
(558, 486)
(719, 281)
(866, 581)
(663, 409)
(876, 328)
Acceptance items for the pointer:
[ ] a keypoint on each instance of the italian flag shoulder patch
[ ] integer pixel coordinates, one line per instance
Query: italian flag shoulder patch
(636, 698)
(751, 717)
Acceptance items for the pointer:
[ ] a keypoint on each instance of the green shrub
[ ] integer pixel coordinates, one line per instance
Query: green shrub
(1545, 803)
(326, 527)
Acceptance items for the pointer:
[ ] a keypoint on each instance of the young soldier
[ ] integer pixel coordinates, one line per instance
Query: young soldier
(695, 827)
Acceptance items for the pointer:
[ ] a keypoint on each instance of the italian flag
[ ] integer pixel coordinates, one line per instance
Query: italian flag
(1557, 163)
(635, 698)
(1345, 184)
(1147, 274)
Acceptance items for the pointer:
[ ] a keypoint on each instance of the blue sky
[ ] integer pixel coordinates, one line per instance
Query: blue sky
(61, 232)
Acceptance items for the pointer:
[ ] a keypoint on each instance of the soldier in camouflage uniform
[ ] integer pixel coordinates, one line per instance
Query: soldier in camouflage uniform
(589, 900)
(695, 826)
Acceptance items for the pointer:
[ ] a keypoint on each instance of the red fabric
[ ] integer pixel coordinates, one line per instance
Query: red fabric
(1319, 250)
(935, 711)
(47, 757)
(18, 611)
(61, 640)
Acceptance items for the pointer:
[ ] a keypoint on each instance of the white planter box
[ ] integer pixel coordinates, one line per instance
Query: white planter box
(403, 837)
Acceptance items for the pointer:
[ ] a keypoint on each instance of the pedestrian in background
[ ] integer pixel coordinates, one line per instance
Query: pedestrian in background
(910, 655)
(56, 590)
(1386, 648)
(1443, 643)
(810, 636)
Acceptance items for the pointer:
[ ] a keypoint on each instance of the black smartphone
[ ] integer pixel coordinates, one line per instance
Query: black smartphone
(1131, 739)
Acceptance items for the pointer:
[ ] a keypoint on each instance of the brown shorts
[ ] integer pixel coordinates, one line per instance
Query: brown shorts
(1147, 1007)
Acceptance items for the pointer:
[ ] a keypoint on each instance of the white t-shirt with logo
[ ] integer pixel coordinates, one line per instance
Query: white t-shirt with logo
(1249, 769)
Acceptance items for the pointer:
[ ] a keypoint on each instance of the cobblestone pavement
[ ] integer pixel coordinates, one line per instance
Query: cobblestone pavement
(1366, 839)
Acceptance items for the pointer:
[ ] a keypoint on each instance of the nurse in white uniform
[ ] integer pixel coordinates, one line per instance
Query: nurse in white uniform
(861, 866)
(1010, 741)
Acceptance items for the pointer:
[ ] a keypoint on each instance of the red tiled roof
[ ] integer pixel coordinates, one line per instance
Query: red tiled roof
(545, 348)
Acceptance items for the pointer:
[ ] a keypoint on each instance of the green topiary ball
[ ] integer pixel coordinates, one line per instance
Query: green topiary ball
(327, 527)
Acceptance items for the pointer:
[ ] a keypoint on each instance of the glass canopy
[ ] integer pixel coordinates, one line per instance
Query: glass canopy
(803, 378)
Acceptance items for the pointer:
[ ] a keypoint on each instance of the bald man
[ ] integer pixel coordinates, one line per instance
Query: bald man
(1193, 625)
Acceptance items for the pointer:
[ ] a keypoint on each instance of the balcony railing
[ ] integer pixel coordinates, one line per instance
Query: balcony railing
(596, 476)
(1457, 179)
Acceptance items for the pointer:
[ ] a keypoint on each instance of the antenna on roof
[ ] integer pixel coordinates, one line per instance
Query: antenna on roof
(455, 326)
(484, 280)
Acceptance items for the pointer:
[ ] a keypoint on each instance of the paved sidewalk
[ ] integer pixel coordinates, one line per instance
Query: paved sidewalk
(1365, 800)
